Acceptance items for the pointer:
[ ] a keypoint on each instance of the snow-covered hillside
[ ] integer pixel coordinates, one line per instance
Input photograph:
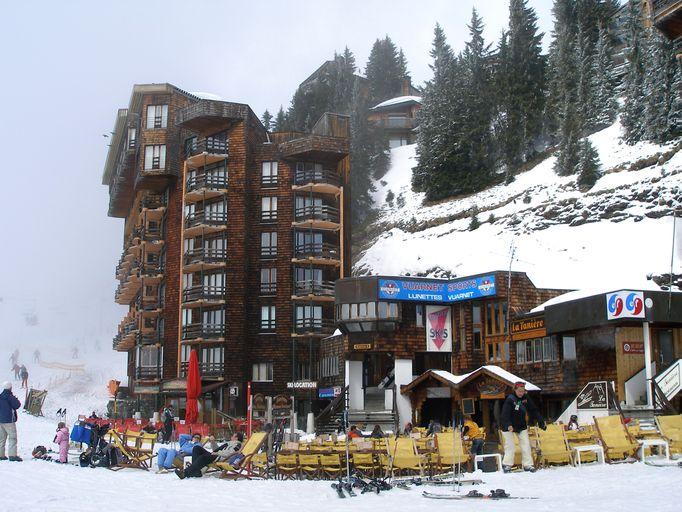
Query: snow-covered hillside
(612, 235)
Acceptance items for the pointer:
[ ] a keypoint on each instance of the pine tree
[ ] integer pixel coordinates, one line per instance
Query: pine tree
(360, 158)
(587, 86)
(589, 166)
(267, 120)
(605, 101)
(569, 147)
(280, 120)
(632, 114)
(675, 112)
(385, 70)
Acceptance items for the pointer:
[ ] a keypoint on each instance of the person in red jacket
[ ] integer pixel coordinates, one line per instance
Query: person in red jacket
(354, 432)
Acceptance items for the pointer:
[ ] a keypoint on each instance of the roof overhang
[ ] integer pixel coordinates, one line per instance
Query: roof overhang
(456, 382)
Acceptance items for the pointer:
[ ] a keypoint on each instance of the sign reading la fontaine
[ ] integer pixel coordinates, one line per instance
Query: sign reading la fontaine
(438, 329)
(423, 290)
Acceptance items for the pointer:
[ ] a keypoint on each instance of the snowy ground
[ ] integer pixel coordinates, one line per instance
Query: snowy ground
(67, 488)
(612, 235)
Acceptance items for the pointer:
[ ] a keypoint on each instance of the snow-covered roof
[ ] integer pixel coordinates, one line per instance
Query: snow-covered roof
(509, 377)
(399, 100)
(207, 96)
(591, 292)
(456, 380)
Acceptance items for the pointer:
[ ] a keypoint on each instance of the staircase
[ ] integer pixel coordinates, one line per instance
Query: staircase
(365, 420)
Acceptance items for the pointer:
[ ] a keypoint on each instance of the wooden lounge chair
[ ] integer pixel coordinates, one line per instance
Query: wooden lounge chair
(617, 442)
(670, 428)
(450, 451)
(249, 449)
(364, 464)
(137, 449)
(330, 465)
(404, 457)
(309, 465)
(553, 446)
(286, 465)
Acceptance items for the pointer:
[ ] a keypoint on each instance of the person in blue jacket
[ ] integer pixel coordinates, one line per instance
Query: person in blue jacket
(8, 423)
(166, 456)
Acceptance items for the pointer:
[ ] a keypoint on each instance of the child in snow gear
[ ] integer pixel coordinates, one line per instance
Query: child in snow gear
(513, 423)
(8, 419)
(167, 417)
(62, 439)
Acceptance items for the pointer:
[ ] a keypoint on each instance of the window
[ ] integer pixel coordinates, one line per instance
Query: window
(302, 371)
(190, 145)
(268, 280)
(184, 353)
(262, 372)
(495, 318)
(148, 357)
(497, 351)
(267, 318)
(330, 366)
(477, 326)
(155, 157)
(419, 315)
(213, 317)
(214, 282)
(308, 316)
(132, 138)
(536, 350)
(268, 244)
(396, 142)
(269, 174)
(157, 116)
(212, 358)
(388, 310)
(569, 348)
(186, 317)
(268, 209)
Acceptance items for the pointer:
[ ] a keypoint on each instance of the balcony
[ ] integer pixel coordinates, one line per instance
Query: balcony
(148, 373)
(317, 216)
(205, 258)
(205, 186)
(317, 254)
(316, 146)
(152, 202)
(205, 369)
(311, 289)
(200, 332)
(204, 222)
(321, 181)
(152, 337)
(203, 152)
(200, 295)
(127, 334)
(397, 123)
(210, 116)
(667, 16)
(129, 287)
(313, 326)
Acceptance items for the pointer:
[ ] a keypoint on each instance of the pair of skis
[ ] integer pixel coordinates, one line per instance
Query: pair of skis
(342, 488)
(497, 494)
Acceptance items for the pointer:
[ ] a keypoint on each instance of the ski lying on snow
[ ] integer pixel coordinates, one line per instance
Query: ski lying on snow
(436, 496)
(663, 463)
(338, 490)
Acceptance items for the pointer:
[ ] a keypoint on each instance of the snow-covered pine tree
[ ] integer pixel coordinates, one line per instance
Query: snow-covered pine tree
(360, 158)
(675, 112)
(661, 68)
(266, 119)
(605, 101)
(280, 120)
(385, 70)
(632, 112)
(589, 166)
(586, 83)
(569, 136)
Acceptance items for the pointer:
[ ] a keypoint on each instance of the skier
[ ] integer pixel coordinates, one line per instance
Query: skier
(14, 357)
(62, 439)
(513, 422)
(74, 353)
(16, 369)
(8, 418)
(36, 356)
(23, 373)
(167, 417)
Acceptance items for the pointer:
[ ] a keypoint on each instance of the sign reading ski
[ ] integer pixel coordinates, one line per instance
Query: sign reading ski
(593, 396)
(624, 304)
(438, 329)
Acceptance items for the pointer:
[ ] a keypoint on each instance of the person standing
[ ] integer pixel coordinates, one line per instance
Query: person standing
(513, 422)
(167, 417)
(36, 356)
(472, 431)
(23, 373)
(62, 440)
(16, 369)
(8, 423)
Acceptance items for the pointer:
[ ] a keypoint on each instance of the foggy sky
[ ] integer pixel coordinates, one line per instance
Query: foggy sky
(68, 65)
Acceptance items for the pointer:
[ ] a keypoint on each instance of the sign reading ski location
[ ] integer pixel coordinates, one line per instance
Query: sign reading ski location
(593, 396)
(438, 329)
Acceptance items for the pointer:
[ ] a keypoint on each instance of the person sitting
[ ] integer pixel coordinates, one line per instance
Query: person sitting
(408, 429)
(228, 452)
(354, 433)
(471, 431)
(573, 423)
(434, 428)
(150, 428)
(166, 456)
(377, 433)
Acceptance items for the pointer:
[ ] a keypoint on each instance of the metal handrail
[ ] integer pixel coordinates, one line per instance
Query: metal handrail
(152, 201)
(206, 369)
(201, 330)
(205, 217)
(210, 145)
(313, 287)
(320, 176)
(148, 372)
(333, 407)
(317, 212)
(201, 292)
(211, 181)
(319, 250)
(268, 251)
(205, 255)
(316, 325)
(268, 288)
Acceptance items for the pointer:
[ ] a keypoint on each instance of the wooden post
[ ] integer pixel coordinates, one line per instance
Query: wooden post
(647, 362)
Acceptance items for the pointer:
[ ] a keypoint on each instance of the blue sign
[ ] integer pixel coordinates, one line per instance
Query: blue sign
(437, 291)
(329, 392)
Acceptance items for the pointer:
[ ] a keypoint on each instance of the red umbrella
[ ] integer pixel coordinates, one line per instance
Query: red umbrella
(193, 388)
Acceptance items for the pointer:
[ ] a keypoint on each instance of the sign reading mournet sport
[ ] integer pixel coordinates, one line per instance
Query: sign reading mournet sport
(437, 291)
(624, 304)
(438, 329)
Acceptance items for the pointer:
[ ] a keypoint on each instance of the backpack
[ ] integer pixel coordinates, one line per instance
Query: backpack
(39, 451)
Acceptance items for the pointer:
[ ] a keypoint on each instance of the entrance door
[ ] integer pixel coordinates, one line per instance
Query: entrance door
(664, 348)
(439, 409)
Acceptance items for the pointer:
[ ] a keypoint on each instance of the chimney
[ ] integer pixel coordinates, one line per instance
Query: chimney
(406, 86)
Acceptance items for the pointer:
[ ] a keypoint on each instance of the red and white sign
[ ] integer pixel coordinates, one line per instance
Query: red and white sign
(633, 347)
(438, 329)
(624, 304)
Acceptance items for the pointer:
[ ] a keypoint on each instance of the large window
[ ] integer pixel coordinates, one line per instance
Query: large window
(155, 157)
(148, 356)
(262, 372)
(477, 326)
(569, 348)
(496, 351)
(267, 318)
(268, 209)
(269, 174)
(495, 318)
(268, 244)
(157, 116)
(302, 371)
(419, 315)
(330, 366)
(268, 280)
(213, 357)
(213, 317)
(132, 138)
(536, 350)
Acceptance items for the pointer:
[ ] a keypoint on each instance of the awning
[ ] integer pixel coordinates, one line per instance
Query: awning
(458, 381)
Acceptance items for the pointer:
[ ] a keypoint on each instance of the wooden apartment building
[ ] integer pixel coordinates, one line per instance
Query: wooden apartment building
(233, 238)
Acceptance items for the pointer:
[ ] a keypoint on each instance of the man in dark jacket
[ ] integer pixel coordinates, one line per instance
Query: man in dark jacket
(167, 417)
(513, 423)
(8, 419)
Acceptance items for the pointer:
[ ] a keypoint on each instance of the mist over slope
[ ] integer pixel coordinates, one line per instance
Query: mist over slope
(611, 235)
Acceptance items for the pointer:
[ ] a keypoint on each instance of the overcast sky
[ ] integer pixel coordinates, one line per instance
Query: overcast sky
(68, 65)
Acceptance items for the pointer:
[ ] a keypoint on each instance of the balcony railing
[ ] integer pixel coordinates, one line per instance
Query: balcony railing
(209, 145)
(211, 181)
(268, 251)
(205, 255)
(313, 287)
(268, 288)
(151, 268)
(148, 373)
(205, 331)
(317, 212)
(317, 250)
(268, 215)
(153, 201)
(268, 181)
(153, 338)
(206, 369)
(207, 218)
(313, 325)
(398, 122)
(317, 176)
(201, 292)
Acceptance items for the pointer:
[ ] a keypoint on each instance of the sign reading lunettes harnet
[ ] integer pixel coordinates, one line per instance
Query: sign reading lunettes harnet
(624, 304)
(437, 291)
(438, 329)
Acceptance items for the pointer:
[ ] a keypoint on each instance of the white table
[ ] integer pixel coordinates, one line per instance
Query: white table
(496, 456)
(596, 448)
(647, 443)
